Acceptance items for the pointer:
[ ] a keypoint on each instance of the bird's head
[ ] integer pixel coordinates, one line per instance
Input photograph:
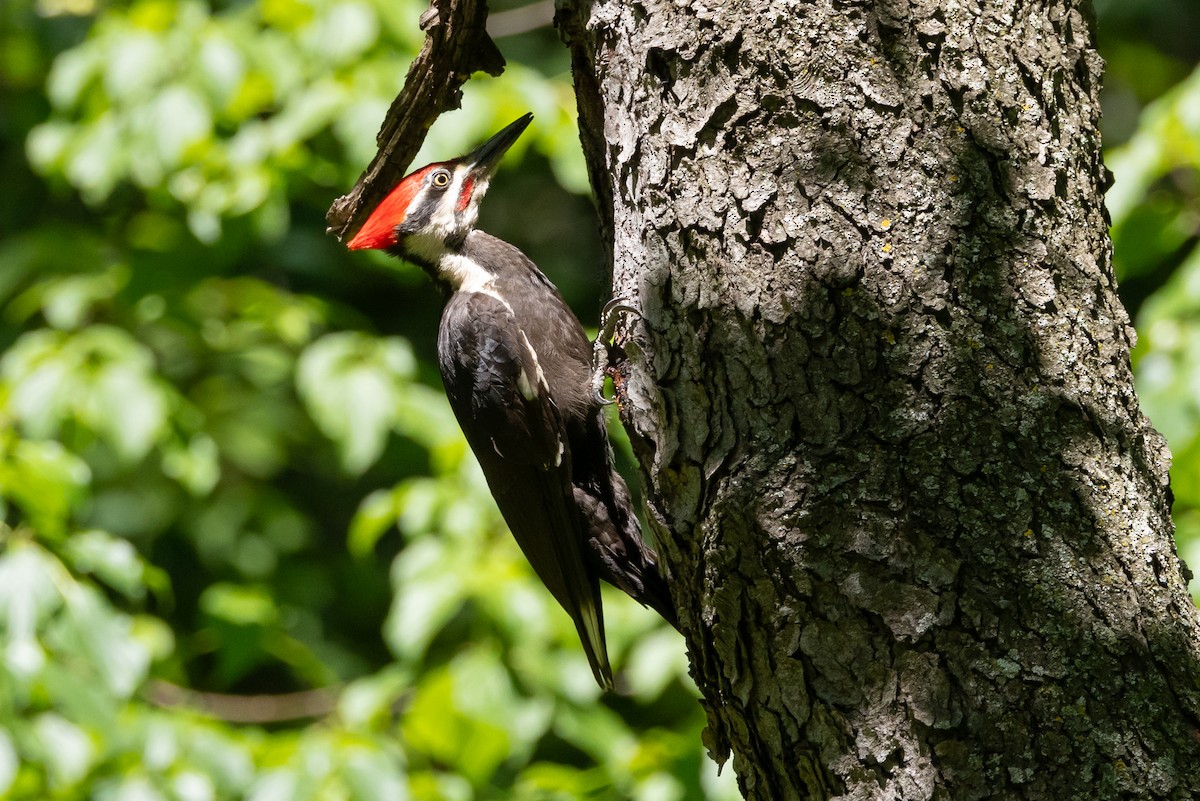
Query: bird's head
(431, 211)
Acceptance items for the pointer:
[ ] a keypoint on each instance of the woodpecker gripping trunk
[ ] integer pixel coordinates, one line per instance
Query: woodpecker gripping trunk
(517, 369)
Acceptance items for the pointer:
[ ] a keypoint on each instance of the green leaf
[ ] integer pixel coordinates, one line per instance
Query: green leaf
(69, 301)
(657, 659)
(98, 160)
(436, 725)
(46, 481)
(484, 691)
(277, 785)
(29, 594)
(375, 515)
(65, 749)
(1168, 137)
(598, 731)
(228, 762)
(191, 785)
(100, 376)
(418, 503)
(111, 559)
(47, 145)
(195, 464)
(424, 416)
(441, 787)
(128, 408)
(181, 120)
(375, 775)
(546, 781)
(351, 384)
(240, 605)
(428, 593)
(94, 630)
(343, 32)
(135, 67)
(9, 761)
(40, 379)
(222, 65)
(130, 788)
(154, 634)
(367, 702)
(71, 73)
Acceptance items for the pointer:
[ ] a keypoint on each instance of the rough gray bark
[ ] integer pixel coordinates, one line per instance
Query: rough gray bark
(918, 526)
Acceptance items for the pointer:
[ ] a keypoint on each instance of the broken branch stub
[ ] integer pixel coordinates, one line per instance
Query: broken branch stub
(456, 45)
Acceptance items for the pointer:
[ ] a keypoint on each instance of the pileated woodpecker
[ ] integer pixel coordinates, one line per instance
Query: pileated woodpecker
(519, 375)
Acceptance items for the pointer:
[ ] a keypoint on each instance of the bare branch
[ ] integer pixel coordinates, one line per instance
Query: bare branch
(526, 18)
(456, 45)
(275, 708)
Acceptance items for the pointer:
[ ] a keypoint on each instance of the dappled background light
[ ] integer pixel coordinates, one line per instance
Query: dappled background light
(244, 549)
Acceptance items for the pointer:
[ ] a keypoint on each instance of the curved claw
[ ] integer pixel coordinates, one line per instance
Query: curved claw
(611, 312)
(608, 322)
(617, 305)
(599, 367)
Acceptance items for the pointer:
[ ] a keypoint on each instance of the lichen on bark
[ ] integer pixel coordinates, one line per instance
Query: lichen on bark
(918, 525)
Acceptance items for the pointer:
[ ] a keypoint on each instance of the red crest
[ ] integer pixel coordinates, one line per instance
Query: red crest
(379, 231)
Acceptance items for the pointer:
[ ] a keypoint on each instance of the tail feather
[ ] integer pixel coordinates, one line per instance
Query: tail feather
(619, 555)
(589, 623)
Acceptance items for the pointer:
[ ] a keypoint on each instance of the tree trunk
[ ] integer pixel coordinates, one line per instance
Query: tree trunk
(917, 524)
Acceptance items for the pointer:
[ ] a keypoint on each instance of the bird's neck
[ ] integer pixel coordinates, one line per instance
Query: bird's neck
(464, 274)
(449, 264)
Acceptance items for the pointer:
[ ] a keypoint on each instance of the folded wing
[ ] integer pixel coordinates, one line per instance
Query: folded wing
(501, 399)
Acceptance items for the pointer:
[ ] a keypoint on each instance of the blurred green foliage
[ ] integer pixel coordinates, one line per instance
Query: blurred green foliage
(1152, 124)
(244, 551)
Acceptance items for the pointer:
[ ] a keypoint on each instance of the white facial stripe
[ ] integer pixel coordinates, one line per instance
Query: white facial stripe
(444, 220)
(444, 223)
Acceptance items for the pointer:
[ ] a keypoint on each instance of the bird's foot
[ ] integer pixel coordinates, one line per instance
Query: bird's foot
(609, 317)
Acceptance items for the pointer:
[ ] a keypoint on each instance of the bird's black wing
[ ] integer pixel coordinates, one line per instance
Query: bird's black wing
(502, 401)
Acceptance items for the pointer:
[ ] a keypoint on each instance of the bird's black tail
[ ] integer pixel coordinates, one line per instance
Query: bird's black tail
(620, 555)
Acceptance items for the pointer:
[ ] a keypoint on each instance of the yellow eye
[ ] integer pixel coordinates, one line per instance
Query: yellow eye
(441, 179)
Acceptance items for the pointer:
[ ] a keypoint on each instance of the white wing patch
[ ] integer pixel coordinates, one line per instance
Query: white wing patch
(523, 385)
(526, 389)
(541, 377)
